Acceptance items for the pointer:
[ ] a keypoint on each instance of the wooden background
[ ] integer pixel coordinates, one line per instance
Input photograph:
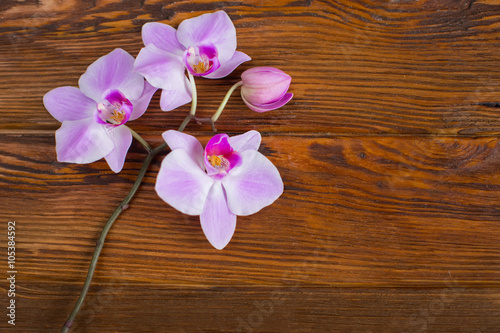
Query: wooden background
(389, 151)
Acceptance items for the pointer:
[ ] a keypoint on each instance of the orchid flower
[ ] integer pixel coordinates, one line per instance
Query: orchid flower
(265, 88)
(262, 89)
(93, 116)
(204, 45)
(229, 178)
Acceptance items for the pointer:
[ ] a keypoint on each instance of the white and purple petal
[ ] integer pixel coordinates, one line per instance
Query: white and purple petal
(141, 104)
(213, 28)
(172, 99)
(269, 106)
(253, 185)
(112, 71)
(182, 184)
(179, 140)
(68, 103)
(247, 141)
(217, 222)
(158, 66)
(164, 70)
(162, 36)
(122, 139)
(82, 141)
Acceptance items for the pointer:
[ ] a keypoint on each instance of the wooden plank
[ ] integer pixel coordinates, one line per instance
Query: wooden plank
(356, 211)
(389, 153)
(114, 306)
(422, 67)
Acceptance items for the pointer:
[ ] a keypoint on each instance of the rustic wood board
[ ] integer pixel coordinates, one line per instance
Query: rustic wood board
(389, 152)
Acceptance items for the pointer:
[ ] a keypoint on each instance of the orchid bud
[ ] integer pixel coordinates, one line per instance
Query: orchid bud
(265, 88)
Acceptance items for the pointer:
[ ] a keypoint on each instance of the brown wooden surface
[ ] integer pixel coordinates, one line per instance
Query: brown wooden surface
(389, 151)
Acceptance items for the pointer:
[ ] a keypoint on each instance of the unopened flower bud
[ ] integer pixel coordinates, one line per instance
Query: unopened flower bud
(265, 88)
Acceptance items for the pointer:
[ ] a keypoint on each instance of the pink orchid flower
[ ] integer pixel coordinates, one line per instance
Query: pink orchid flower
(265, 88)
(93, 116)
(204, 45)
(229, 178)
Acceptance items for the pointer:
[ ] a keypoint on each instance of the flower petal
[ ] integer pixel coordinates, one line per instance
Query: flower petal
(182, 184)
(141, 104)
(256, 183)
(217, 222)
(228, 66)
(82, 141)
(164, 70)
(162, 36)
(270, 106)
(266, 78)
(172, 99)
(213, 28)
(112, 71)
(122, 139)
(68, 103)
(179, 140)
(159, 67)
(246, 141)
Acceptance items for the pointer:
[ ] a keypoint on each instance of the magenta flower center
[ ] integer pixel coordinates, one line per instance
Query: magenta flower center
(220, 158)
(114, 110)
(201, 60)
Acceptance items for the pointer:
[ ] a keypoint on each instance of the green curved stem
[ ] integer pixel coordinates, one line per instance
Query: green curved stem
(185, 122)
(224, 101)
(140, 139)
(194, 104)
(100, 243)
(194, 94)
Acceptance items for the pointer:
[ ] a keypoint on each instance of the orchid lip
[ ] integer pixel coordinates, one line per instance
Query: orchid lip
(201, 60)
(220, 158)
(114, 110)
(219, 161)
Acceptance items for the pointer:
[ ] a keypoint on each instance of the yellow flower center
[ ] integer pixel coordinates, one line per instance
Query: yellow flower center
(117, 116)
(218, 161)
(201, 67)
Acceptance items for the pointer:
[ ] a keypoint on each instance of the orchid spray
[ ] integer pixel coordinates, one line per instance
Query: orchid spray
(228, 177)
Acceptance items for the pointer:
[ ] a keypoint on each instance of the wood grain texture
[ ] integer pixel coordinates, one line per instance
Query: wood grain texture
(114, 306)
(389, 152)
(419, 67)
(378, 211)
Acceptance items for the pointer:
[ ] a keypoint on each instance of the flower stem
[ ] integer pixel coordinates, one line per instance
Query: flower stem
(121, 207)
(185, 122)
(194, 95)
(224, 101)
(194, 104)
(206, 121)
(124, 205)
(140, 139)
(100, 242)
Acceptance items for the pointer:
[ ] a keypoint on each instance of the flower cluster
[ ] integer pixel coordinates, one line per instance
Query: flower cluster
(227, 178)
